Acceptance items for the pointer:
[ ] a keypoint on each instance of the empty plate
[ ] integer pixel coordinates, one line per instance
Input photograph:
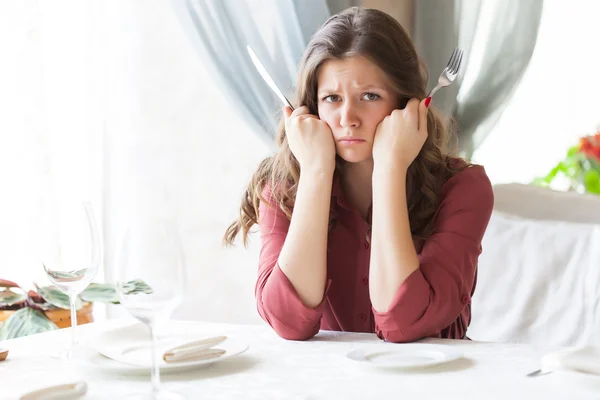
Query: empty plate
(405, 356)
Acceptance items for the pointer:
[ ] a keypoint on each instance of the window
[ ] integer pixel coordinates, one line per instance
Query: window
(557, 100)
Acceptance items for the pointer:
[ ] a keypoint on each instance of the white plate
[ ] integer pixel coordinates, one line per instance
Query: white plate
(115, 340)
(405, 356)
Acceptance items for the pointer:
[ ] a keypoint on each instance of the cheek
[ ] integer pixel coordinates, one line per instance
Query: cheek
(378, 115)
(327, 115)
(375, 118)
(386, 109)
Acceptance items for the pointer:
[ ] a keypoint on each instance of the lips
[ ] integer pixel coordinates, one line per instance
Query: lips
(350, 139)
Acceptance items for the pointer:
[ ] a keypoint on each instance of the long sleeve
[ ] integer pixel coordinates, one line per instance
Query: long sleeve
(434, 295)
(277, 301)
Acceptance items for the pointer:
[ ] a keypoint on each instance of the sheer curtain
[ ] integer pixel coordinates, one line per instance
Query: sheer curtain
(498, 38)
(277, 30)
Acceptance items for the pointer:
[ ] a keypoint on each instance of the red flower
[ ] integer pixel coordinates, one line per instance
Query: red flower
(590, 146)
(596, 154)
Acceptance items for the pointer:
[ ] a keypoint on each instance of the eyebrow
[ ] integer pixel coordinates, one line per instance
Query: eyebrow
(366, 87)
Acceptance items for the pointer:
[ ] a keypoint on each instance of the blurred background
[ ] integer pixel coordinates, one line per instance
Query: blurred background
(155, 103)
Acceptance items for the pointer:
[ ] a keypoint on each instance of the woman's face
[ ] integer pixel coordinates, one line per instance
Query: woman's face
(353, 98)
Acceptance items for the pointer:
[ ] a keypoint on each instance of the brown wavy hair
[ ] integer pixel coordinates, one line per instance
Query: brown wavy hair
(378, 37)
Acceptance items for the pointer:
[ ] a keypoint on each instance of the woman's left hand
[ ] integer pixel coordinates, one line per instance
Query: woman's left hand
(400, 136)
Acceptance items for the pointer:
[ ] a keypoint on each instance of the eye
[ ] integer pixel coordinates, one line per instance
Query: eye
(371, 96)
(332, 98)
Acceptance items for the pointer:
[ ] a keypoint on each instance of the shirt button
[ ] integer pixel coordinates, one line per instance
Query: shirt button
(367, 245)
(362, 317)
(466, 299)
(364, 280)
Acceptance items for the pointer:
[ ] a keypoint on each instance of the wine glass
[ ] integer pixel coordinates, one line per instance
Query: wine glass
(70, 253)
(150, 282)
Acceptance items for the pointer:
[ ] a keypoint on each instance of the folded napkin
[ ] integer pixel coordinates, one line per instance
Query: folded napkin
(582, 359)
(196, 350)
(63, 391)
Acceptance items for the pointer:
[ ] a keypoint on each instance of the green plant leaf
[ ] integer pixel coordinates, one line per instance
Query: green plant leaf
(68, 275)
(9, 297)
(25, 321)
(107, 292)
(57, 298)
(592, 181)
(136, 286)
(45, 306)
(572, 151)
(102, 292)
(551, 175)
(540, 182)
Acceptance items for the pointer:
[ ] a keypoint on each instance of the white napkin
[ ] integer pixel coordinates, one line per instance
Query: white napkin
(63, 391)
(582, 359)
(195, 350)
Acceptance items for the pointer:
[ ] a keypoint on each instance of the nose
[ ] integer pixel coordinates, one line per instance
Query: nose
(349, 116)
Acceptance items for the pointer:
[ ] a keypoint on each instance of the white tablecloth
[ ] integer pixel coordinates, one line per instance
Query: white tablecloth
(274, 368)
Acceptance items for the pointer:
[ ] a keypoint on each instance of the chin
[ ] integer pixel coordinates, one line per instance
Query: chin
(355, 156)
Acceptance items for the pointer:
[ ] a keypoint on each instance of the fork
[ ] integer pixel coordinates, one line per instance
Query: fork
(449, 73)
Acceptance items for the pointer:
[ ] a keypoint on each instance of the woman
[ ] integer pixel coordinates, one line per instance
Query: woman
(367, 224)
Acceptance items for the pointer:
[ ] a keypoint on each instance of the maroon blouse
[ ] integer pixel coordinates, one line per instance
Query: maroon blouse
(435, 300)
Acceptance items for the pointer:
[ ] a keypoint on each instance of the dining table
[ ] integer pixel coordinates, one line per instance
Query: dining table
(318, 368)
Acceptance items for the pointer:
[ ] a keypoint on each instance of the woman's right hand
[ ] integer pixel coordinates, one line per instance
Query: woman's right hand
(310, 140)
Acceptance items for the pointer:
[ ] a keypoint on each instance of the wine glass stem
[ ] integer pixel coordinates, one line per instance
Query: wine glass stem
(72, 299)
(155, 361)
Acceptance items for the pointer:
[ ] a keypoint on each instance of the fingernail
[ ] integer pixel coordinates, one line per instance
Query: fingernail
(427, 101)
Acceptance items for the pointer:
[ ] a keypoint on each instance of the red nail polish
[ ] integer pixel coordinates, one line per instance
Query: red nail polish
(427, 101)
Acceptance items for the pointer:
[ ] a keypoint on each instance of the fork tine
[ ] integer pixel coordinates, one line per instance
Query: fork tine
(457, 62)
(452, 58)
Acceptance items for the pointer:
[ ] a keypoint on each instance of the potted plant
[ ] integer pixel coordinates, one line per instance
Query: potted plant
(580, 169)
(46, 308)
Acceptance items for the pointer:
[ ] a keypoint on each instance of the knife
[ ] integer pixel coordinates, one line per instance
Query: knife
(267, 78)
